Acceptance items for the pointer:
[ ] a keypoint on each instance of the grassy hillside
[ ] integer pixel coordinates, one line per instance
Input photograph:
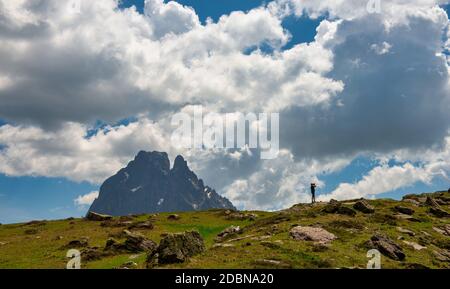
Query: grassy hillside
(264, 242)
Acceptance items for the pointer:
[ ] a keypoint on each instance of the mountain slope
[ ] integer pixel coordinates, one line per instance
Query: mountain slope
(149, 185)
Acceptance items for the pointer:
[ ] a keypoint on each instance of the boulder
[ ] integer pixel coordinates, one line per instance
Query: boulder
(414, 245)
(78, 243)
(431, 202)
(92, 216)
(332, 207)
(439, 212)
(134, 243)
(342, 210)
(92, 254)
(387, 247)
(137, 243)
(363, 207)
(314, 234)
(442, 255)
(227, 233)
(177, 248)
(141, 225)
(173, 217)
(404, 210)
(406, 231)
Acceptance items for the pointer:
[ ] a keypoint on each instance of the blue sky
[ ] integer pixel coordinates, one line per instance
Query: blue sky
(26, 198)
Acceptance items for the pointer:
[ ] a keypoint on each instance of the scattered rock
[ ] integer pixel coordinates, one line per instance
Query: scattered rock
(137, 243)
(221, 245)
(142, 225)
(346, 211)
(134, 243)
(128, 265)
(116, 223)
(272, 264)
(57, 238)
(404, 210)
(3, 243)
(412, 201)
(240, 216)
(334, 207)
(78, 243)
(439, 212)
(431, 202)
(177, 248)
(363, 207)
(387, 247)
(414, 245)
(173, 217)
(406, 231)
(228, 233)
(442, 255)
(92, 216)
(92, 254)
(314, 234)
(407, 218)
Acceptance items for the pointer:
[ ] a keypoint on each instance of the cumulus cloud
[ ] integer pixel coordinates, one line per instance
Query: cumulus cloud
(86, 200)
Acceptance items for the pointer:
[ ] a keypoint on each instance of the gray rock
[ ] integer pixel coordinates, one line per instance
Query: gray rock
(177, 248)
(414, 245)
(173, 217)
(314, 234)
(406, 231)
(363, 207)
(93, 216)
(228, 233)
(387, 247)
(404, 210)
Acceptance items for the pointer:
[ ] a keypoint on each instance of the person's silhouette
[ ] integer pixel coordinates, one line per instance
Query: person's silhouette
(313, 192)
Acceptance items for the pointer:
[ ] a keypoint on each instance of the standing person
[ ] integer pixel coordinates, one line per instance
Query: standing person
(313, 192)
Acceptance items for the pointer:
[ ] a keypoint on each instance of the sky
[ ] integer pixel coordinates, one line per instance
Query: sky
(363, 97)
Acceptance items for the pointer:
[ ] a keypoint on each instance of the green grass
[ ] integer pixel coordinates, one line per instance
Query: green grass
(43, 248)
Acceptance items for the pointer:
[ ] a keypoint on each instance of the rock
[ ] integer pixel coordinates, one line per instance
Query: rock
(336, 207)
(116, 223)
(406, 231)
(439, 212)
(314, 234)
(220, 245)
(134, 243)
(363, 207)
(442, 255)
(431, 202)
(407, 218)
(142, 225)
(414, 245)
(137, 243)
(387, 247)
(342, 210)
(92, 216)
(36, 223)
(227, 233)
(92, 254)
(78, 243)
(3, 243)
(404, 210)
(57, 238)
(173, 217)
(177, 248)
(416, 266)
(332, 207)
(239, 216)
(412, 201)
(128, 265)
(272, 264)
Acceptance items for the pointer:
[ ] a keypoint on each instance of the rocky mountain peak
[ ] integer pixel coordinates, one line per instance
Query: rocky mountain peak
(148, 185)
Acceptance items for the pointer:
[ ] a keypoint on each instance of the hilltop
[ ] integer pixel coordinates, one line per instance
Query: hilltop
(411, 233)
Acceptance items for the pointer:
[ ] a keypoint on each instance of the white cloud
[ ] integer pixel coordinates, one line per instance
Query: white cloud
(86, 200)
